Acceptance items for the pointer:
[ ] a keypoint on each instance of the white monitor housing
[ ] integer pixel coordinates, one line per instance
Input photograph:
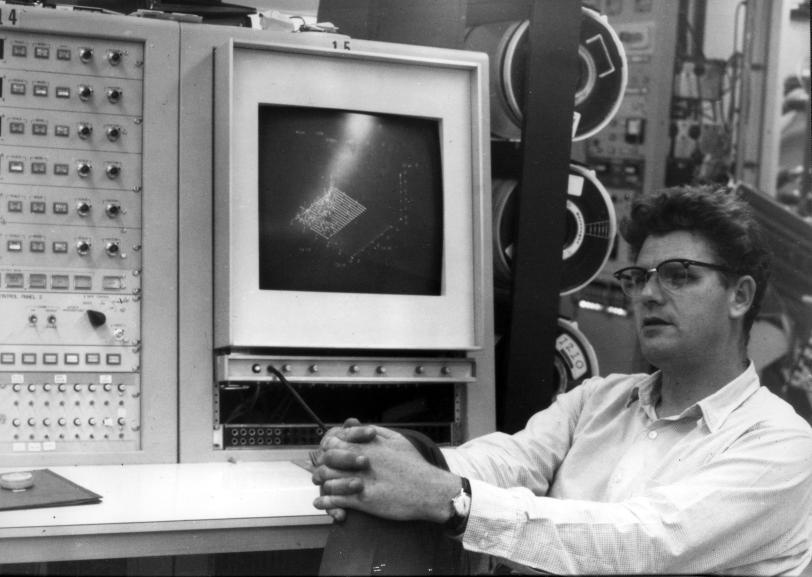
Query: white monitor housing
(352, 195)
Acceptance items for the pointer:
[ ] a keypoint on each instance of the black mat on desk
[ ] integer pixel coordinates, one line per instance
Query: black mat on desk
(49, 490)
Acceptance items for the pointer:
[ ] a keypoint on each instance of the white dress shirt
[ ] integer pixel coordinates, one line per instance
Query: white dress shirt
(597, 483)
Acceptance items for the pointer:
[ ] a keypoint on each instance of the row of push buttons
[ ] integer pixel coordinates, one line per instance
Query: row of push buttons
(42, 52)
(19, 88)
(62, 281)
(113, 359)
(38, 206)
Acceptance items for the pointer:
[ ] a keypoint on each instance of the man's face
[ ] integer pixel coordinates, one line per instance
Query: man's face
(687, 325)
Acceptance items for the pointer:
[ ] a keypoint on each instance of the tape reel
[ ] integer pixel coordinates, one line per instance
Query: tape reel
(590, 229)
(575, 359)
(602, 79)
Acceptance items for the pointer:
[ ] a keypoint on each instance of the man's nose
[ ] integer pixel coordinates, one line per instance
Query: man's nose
(651, 287)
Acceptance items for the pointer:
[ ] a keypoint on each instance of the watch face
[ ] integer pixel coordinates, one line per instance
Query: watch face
(462, 505)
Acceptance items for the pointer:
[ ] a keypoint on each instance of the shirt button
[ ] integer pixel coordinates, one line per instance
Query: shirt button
(652, 434)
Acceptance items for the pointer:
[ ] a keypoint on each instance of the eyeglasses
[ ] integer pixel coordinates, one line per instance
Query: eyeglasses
(672, 275)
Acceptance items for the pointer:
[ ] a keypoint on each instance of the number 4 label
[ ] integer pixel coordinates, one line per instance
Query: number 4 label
(11, 17)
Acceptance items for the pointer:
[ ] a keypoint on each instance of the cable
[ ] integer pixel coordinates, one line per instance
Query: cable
(295, 393)
(244, 406)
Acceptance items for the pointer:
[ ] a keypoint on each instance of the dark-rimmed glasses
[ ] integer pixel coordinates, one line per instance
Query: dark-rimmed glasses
(672, 275)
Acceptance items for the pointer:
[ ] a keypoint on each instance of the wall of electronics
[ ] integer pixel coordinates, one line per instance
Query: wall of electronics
(81, 183)
(119, 349)
(120, 282)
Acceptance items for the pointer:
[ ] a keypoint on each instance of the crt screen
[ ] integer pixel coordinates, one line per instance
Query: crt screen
(349, 202)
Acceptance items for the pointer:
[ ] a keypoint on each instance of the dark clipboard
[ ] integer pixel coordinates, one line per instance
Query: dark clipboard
(49, 490)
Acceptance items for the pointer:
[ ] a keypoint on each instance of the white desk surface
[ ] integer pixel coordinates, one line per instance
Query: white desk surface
(170, 509)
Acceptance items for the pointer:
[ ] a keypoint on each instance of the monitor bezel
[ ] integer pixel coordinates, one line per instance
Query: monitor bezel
(369, 77)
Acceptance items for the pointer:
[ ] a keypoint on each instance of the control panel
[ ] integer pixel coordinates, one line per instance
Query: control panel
(72, 258)
(70, 241)
(266, 401)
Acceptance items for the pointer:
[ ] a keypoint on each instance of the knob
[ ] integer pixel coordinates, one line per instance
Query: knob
(46, 421)
(112, 171)
(16, 388)
(121, 421)
(52, 320)
(91, 387)
(77, 421)
(83, 208)
(85, 54)
(84, 130)
(354, 369)
(85, 92)
(121, 387)
(62, 421)
(113, 209)
(113, 132)
(91, 421)
(32, 421)
(32, 319)
(84, 169)
(314, 368)
(77, 387)
(446, 370)
(107, 387)
(62, 388)
(256, 368)
(32, 387)
(381, 370)
(112, 248)
(83, 247)
(15, 422)
(114, 57)
(114, 94)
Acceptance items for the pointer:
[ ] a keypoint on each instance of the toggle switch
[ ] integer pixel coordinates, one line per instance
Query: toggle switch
(85, 54)
(85, 92)
(114, 95)
(113, 132)
(114, 57)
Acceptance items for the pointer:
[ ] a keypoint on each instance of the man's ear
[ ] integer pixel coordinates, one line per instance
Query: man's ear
(742, 295)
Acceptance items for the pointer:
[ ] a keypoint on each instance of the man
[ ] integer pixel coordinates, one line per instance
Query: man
(694, 468)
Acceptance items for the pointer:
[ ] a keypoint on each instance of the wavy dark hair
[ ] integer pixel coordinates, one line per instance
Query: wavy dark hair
(720, 216)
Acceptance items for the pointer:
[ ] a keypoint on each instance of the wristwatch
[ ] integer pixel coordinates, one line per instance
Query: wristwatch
(460, 509)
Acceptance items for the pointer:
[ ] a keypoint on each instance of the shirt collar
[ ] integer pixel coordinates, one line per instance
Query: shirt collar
(647, 392)
(715, 408)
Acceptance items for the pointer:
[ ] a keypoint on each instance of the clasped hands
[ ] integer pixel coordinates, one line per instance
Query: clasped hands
(377, 470)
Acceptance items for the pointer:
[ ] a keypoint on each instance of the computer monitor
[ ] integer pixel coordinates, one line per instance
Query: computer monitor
(352, 195)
